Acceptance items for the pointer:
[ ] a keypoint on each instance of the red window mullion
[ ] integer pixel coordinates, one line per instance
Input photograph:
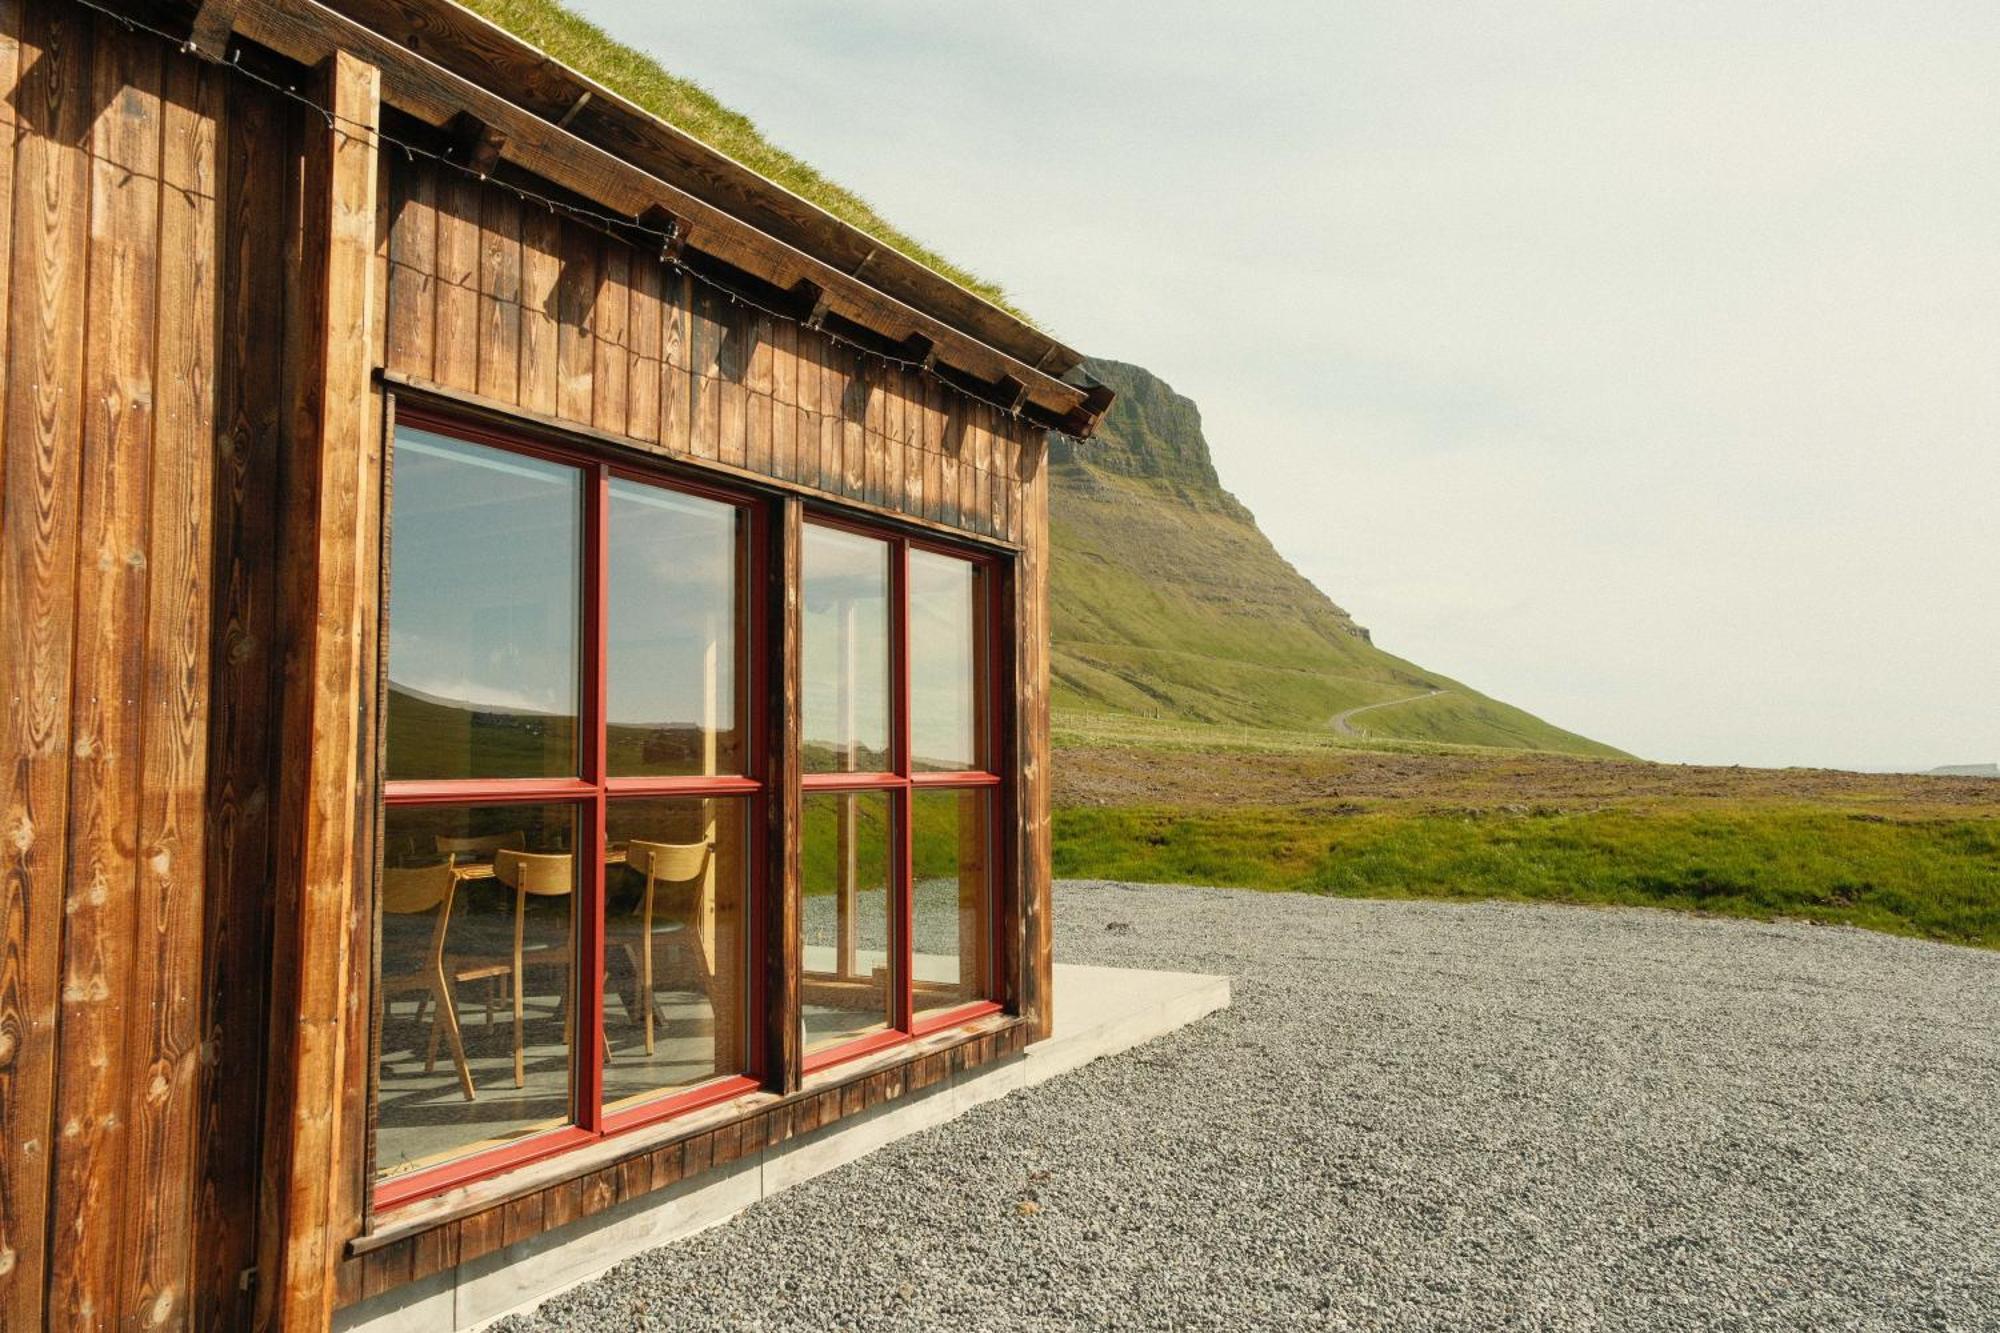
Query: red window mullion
(903, 974)
(588, 1057)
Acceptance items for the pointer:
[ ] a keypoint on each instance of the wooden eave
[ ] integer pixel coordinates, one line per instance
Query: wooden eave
(443, 64)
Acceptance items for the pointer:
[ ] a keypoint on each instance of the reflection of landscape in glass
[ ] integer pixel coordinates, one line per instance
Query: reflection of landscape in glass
(946, 642)
(844, 871)
(690, 944)
(456, 1071)
(845, 654)
(951, 922)
(674, 611)
(483, 634)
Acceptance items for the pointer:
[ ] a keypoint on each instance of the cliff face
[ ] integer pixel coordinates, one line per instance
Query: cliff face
(1170, 602)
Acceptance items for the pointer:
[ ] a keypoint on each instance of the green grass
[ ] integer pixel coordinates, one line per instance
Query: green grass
(1935, 879)
(587, 48)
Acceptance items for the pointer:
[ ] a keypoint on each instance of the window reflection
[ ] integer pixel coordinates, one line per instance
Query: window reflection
(844, 989)
(947, 662)
(674, 944)
(845, 664)
(674, 614)
(483, 632)
(951, 905)
(478, 1017)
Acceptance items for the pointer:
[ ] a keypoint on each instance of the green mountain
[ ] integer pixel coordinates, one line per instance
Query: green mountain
(1169, 602)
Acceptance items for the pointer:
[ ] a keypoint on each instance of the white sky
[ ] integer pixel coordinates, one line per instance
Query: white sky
(1637, 364)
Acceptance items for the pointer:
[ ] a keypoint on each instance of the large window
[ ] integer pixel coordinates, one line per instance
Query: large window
(897, 846)
(574, 834)
(570, 849)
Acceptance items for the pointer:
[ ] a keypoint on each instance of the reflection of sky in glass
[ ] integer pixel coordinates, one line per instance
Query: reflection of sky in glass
(484, 573)
(941, 662)
(672, 614)
(845, 655)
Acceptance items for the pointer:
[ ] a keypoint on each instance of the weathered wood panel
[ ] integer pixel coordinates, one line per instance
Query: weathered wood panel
(541, 312)
(334, 441)
(112, 582)
(49, 262)
(1031, 704)
(164, 1038)
(242, 720)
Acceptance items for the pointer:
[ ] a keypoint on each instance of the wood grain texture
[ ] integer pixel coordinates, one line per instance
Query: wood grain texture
(48, 264)
(339, 222)
(242, 719)
(475, 49)
(164, 1035)
(1032, 782)
(500, 261)
(111, 592)
(305, 31)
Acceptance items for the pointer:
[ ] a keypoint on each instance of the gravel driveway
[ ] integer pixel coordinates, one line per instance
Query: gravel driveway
(1425, 1115)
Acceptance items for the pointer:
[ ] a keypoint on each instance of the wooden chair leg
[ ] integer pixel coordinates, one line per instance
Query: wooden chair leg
(447, 1018)
(431, 1048)
(646, 987)
(520, 1045)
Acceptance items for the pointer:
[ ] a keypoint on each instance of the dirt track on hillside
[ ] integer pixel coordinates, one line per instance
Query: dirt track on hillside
(1122, 776)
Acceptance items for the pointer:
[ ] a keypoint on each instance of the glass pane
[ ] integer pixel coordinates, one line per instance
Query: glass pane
(844, 991)
(947, 663)
(477, 929)
(674, 616)
(845, 662)
(674, 986)
(950, 903)
(483, 612)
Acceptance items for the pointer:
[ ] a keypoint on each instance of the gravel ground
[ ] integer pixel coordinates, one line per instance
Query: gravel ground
(1424, 1115)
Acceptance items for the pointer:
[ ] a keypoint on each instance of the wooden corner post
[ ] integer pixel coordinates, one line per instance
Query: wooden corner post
(330, 512)
(1034, 933)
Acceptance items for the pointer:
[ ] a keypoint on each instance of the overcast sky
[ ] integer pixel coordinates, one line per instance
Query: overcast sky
(1636, 364)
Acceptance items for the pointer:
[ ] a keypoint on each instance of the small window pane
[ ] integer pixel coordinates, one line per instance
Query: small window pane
(674, 992)
(673, 625)
(844, 992)
(947, 663)
(845, 665)
(478, 936)
(950, 842)
(483, 612)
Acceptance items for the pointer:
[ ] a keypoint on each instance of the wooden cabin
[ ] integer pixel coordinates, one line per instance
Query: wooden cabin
(525, 652)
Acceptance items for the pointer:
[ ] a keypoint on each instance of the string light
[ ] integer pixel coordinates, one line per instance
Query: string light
(617, 227)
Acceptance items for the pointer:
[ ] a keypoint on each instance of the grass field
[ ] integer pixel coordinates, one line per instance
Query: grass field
(1302, 812)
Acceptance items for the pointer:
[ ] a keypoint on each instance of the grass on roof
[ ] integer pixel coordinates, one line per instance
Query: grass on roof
(587, 48)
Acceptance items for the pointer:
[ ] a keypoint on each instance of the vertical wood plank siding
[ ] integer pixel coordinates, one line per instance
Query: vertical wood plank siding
(197, 281)
(334, 444)
(533, 311)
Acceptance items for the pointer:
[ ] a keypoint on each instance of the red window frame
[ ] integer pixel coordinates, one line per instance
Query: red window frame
(592, 792)
(593, 789)
(900, 783)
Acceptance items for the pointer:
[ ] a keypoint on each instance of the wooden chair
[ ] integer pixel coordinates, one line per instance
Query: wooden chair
(415, 892)
(534, 875)
(482, 848)
(667, 863)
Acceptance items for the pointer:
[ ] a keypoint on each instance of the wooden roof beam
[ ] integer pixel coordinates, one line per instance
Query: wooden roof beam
(921, 350)
(673, 228)
(214, 22)
(475, 145)
(307, 31)
(484, 53)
